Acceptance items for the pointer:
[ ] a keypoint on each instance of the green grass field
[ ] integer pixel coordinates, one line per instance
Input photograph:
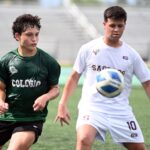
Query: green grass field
(55, 137)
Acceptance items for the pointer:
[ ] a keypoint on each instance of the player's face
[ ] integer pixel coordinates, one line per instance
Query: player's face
(28, 40)
(114, 29)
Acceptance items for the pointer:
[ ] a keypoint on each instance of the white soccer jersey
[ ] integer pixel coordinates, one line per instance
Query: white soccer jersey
(96, 56)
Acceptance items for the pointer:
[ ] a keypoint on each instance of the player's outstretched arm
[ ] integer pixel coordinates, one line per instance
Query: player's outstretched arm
(63, 114)
(146, 86)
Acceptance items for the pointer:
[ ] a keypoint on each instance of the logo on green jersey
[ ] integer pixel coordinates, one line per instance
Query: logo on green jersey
(26, 83)
(13, 70)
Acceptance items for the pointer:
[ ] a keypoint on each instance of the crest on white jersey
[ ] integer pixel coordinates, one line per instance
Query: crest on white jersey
(96, 50)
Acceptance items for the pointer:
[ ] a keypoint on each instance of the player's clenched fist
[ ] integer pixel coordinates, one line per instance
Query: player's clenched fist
(3, 107)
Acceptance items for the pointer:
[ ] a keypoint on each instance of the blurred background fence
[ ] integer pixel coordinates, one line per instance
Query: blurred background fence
(66, 25)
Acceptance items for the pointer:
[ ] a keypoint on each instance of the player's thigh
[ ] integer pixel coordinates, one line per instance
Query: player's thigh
(125, 129)
(86, 133)
(96, 124)
(85, 127)
(135, 146)
(21, 140)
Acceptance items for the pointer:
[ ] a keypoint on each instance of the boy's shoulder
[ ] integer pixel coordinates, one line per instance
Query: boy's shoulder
(46, 57)
(92, 43)
(9, 55)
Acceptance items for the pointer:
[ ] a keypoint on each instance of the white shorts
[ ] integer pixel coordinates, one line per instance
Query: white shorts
(123, 129)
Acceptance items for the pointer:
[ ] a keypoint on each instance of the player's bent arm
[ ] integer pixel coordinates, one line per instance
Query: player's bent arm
(71, 84)
(53, 92)
(2, 91)
(41, 101)
(3, 105)
(146, 86)
(69, 87)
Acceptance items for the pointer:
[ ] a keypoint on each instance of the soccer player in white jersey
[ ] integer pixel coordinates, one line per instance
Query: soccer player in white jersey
(98, 114)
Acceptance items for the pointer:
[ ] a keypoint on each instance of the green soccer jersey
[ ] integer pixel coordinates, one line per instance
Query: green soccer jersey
(27, 78)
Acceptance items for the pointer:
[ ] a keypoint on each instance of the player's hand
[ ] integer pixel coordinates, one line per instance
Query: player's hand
(40, 103)
(3, 107)
(62, 115)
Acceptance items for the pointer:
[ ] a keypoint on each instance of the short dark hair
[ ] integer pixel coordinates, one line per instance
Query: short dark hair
(24, 21)
(116, 13)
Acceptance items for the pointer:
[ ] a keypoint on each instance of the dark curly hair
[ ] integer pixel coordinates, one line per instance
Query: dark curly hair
(25, 21)
(116, 13)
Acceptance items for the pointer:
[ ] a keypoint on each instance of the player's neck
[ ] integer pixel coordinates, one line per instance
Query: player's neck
(26, 53)
(112, 43)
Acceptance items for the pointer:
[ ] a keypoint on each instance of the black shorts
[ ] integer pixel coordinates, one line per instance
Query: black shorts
(7, 128)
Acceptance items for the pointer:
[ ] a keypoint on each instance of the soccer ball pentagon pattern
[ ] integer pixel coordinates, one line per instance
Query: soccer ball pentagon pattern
(110, 82)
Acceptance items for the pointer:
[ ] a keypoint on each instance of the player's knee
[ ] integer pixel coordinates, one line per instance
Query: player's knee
(133, 146)
(18, 147)
(85, 141)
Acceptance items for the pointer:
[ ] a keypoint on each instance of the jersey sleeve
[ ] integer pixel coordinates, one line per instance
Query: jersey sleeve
(140, 69)
(3, 71)
(54, 73)
(80, 62)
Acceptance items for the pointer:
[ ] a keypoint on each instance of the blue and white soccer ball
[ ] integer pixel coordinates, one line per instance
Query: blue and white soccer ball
(110, 82)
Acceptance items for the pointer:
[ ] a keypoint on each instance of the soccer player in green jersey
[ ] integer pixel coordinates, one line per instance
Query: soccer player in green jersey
(28, 81)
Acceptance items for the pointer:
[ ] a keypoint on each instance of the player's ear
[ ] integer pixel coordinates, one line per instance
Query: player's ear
(17, 36)
(104, 23)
